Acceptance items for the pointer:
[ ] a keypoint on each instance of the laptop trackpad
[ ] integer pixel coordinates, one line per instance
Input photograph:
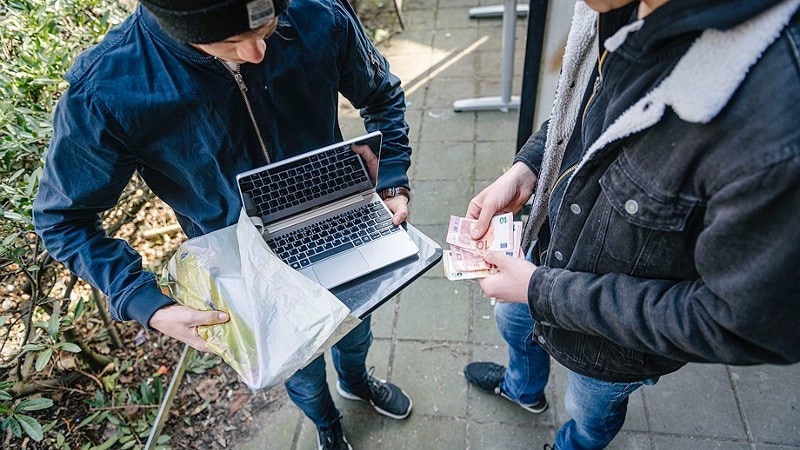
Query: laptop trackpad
(342, 266)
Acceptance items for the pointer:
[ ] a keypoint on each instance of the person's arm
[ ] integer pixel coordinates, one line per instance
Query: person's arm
(86, 169)
(87, 166)
(743, 310)
(367, 82)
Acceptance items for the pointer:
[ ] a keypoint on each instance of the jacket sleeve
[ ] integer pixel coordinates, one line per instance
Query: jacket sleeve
(744, 308)
(532, 152)
(370, 86)
(86, 169)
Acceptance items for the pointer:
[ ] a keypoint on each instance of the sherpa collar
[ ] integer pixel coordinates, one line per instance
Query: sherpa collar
(706, 77)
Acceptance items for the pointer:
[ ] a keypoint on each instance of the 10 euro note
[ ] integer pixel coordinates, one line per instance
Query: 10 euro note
(464, 261)
(455, 275)
(498, 238)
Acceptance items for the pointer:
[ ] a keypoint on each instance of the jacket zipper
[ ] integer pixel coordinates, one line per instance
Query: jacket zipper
(237, 75)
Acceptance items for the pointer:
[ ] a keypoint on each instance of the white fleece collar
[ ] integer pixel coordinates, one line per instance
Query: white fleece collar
(706, 77)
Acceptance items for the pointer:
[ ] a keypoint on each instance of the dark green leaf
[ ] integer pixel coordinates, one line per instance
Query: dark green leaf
(35, 404)
(31, 426)
(43, 359)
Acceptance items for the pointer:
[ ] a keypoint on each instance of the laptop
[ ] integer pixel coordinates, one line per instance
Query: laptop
(322, 216)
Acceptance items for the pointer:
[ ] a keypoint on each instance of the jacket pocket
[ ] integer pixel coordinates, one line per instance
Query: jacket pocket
(647, 232)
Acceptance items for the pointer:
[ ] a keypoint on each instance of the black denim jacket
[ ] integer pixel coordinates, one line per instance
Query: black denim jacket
(679, 240)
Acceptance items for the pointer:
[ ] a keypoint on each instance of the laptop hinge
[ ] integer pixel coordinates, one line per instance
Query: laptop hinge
(319, 211)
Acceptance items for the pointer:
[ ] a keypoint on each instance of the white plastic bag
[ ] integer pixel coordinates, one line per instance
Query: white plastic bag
(280, 320)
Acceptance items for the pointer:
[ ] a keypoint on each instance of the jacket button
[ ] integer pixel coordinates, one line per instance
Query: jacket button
(575, 208)
(540, 339)
(632, 206)
(559, 256)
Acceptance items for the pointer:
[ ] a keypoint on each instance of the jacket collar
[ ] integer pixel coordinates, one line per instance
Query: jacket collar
(150, 26)
(706, 77)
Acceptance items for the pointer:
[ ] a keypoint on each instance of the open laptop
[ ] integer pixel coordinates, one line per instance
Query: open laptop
(321, 213)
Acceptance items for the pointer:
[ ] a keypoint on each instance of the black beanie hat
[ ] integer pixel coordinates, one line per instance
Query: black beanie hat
(208, 21)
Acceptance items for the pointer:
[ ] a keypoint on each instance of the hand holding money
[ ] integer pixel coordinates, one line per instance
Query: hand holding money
(464, 261)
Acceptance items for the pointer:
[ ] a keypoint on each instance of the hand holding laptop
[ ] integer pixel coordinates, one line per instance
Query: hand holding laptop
(398, 205)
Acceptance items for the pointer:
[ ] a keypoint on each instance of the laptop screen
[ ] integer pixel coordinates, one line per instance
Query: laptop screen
(307, 181)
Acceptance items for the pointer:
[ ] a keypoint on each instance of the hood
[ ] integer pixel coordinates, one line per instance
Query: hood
(687, 19)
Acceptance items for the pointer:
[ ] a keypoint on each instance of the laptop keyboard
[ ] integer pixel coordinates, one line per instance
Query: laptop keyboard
(329, 172)
(313, 243)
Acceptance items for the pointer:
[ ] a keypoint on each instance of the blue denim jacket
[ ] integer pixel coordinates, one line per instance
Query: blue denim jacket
(672, 231)
(140, 101)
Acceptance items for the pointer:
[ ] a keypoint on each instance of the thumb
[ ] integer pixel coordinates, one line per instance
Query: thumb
(498, 259)
(210, 317)
(482, 224)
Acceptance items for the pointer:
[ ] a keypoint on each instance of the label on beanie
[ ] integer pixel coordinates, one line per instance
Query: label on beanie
(260, 12)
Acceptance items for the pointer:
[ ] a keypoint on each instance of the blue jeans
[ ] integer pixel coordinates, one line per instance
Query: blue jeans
(308, 387)
(597, 407)
(528, 364)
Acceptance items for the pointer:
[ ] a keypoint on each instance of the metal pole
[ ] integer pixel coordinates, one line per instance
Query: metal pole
(169, 396)
(534, 52)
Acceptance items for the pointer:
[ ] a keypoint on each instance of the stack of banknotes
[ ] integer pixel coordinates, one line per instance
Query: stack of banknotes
(463, 261)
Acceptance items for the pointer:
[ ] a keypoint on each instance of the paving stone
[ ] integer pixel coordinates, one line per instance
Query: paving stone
(444, 91)
(444, 161)
(432, 297)
(490, 436)
(484, 327)
(453, 18)
(493, 158)
(430, 372)
(276, 428)
(431, 433)
(455, 40)
(697, 400)
(683, 442)
(444, 124)
(770, 401)
(436, 201)
(383, 320)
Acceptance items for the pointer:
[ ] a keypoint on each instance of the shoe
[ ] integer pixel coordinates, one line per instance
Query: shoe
(487, 377)
(385, 397)
(549, 447)
(332, 438)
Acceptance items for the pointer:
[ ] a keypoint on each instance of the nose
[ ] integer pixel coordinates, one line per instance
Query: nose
(252, 51)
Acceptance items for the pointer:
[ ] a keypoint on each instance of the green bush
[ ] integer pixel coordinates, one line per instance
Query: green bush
(38, 42)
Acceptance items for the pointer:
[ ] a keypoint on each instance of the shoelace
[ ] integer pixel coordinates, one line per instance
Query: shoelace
(493, 373)
(379, 391)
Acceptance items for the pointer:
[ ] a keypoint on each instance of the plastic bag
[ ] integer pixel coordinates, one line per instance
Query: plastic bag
(279, 319)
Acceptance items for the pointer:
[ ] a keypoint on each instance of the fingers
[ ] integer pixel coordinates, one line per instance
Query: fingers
(510, 283)
(398, 205)
(181, 322)
(369, 158)
(210, 318)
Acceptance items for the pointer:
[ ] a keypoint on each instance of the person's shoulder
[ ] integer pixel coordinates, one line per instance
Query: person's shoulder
(109, 47)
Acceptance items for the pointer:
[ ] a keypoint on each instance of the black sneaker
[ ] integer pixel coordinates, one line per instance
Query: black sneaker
(487, 377)
(385, 397)
(332, 437)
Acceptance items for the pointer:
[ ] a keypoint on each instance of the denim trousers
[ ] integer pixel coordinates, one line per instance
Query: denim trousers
(308, 387)
(596, 407)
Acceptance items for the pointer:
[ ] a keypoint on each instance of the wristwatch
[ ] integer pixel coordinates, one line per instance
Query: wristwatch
(395, 191)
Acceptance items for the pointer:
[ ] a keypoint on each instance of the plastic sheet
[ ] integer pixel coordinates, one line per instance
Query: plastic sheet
(279, 319)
